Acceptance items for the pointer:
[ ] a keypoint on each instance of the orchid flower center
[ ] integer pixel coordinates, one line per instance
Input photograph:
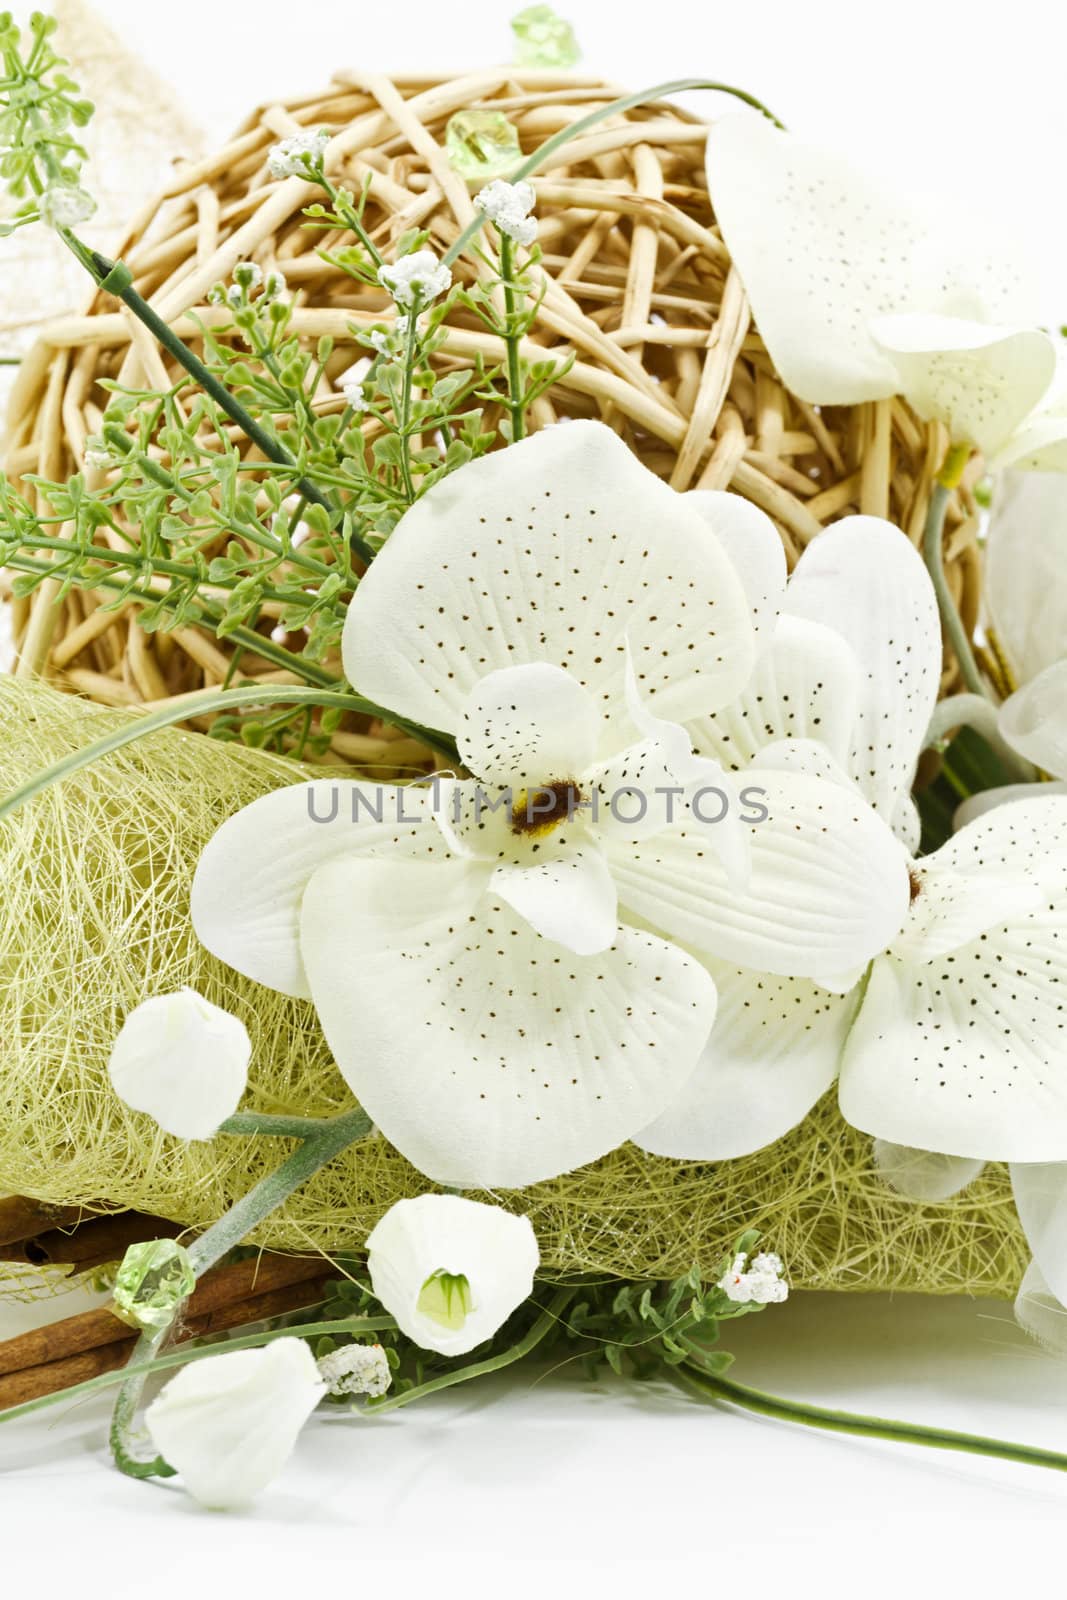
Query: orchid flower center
(538, 810)
(446, 1299)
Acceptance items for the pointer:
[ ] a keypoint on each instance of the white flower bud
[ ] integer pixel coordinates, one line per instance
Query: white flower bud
(450, 1270)
(184, 1061)
(228, 1423)
(64, 205)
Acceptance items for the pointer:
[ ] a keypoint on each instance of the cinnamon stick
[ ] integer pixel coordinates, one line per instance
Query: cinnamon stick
(31, 1383)
(23, 1219)
(91, 1243)
(221, 1289)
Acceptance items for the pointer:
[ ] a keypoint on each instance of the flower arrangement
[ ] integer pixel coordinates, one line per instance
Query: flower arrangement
(645, 842)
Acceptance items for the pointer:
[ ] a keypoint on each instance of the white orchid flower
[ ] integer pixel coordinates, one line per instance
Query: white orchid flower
(860, 293)
(1026, 595)
(845, 689)
(184, 1061)
(228, 1423)
(451, 1271)
(563, 613)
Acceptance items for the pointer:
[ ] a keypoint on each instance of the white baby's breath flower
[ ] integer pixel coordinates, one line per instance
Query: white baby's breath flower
(450, 1270)
(228, 1423)
(274, 285)
(248, 274)
(292, 157)
(64, 205)
(379, 338)
(508, 205)
(182, 1060)
(761, 1283)
(97, 454)
(356, 1369)
(417, 276)
(350, 384)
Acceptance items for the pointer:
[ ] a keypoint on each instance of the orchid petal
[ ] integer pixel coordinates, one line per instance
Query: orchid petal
(1040, 1314)
(805, 686)
(1034, 719)
(963, 1052)
(828, 885)
(863, 579)
(976, 805)
(556, 550)
(1040, 1191)
(981, 381)
(773, 1052)
(253, 872)
(1026, 570)
(528, 725)
(486, 1055)
(923, 1174)
(755, 548)
(822, 248)
(569, 898)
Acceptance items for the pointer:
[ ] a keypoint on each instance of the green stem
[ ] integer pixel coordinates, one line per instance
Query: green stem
(811, 1416)
(627, 102)
(257, 1123)
(114, 277)
(512, 337)
(199, 704)
(327, 1140)
(410, 350)
(318, 1147)
(540, 1330)
(950, 617)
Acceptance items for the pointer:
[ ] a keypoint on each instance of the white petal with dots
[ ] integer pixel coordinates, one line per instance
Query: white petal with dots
(488, 1055)
(752, 542)
(828, 886)
(253, 872)
(529, 724)
(966, 1052)
(863, 579)
(822, 248)
(806, 686)
(557, 549)
(981, 381)
(569, 898)
(773, 1052)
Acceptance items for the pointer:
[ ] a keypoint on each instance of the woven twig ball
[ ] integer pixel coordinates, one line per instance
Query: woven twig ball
(640, 291)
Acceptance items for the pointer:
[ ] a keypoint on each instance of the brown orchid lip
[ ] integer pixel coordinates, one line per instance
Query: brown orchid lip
(542, 807)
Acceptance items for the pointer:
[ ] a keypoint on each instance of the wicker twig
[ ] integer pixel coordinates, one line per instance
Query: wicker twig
(640, 292)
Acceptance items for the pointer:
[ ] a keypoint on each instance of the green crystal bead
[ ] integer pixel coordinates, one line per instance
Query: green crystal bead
(542, 39)
(482, 144)
(153, 1280)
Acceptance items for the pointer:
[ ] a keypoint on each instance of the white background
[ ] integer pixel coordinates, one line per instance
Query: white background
(507, 1484)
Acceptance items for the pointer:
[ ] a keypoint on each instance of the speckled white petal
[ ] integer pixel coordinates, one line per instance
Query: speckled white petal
(773, 1052)
(967, 1054)
(976, 805)
(487, 1055)
(530, 724)
(907, 824)
(806, 756)
(755, 548)
(569, 898)
(1040, 1192)
(828, 885)
(864, 580)
(923, 1174)
(822, 248)
(1038, 445)
(1034, 719)
(250, 879)
(805, 686)
(556, 549)
(1026, 570)
(980, 380)
(495, 1251)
